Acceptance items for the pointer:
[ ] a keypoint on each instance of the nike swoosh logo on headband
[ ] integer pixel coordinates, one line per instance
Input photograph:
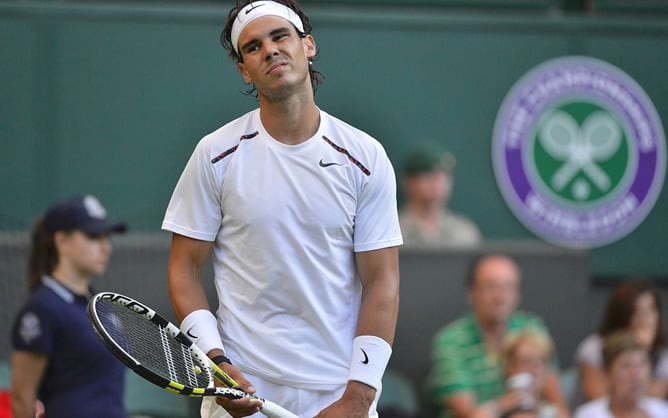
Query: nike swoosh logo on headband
(253, 8)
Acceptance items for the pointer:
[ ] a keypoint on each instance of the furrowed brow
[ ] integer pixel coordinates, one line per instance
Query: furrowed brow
(278, 31)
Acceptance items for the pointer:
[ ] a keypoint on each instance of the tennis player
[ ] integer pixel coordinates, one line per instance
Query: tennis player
(300, 211)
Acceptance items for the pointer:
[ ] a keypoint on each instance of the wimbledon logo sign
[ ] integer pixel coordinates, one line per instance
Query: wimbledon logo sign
(579, 152)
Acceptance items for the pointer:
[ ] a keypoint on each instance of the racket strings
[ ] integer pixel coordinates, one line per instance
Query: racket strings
(171, 367)
(195, 370)
(151, 345)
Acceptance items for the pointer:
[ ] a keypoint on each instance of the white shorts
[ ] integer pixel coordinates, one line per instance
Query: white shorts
(302, 402)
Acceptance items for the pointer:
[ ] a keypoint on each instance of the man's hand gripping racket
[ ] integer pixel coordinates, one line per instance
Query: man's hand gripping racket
(157, 350)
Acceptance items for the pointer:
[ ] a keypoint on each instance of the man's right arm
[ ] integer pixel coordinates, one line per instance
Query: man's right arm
(184, 274)
(452, 377)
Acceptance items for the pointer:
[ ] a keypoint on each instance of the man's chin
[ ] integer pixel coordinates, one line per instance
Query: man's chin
(498, 318)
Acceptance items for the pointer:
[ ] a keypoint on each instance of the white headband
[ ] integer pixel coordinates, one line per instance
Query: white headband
(257, 9)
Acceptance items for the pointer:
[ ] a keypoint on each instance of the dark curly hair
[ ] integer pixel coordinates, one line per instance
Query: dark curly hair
(226, 38)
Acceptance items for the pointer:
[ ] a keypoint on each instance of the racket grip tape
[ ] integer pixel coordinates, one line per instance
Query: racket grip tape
(273, 410)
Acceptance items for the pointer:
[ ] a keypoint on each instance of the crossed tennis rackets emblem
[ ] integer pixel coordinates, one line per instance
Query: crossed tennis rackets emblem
(580, 148)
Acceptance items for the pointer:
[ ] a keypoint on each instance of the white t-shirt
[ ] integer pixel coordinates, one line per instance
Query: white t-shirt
(286, 221)
(600, 408)
(590, 352)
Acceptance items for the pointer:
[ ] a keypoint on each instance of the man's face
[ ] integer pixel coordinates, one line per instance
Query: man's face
(275, 57)
(431, 188)
(494, 292)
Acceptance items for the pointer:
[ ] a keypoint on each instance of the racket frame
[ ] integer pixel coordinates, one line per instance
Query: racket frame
(232, 390)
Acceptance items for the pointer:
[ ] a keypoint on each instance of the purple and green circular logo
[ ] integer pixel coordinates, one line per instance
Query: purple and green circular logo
(579, 152)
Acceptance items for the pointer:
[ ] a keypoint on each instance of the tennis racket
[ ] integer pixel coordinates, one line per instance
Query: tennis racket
(158, 351)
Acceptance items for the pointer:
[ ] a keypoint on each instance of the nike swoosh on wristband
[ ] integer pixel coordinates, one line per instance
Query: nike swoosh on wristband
(191, 335)
(323, 164)
(366, 358)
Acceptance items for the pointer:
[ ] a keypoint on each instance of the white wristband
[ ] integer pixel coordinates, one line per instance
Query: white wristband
(202, 328)
(370, 357)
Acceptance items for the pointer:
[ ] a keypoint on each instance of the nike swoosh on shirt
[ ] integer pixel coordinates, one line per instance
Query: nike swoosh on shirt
(323, 164)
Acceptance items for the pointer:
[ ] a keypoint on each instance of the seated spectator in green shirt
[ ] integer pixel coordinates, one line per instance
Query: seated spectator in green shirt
(467, 368)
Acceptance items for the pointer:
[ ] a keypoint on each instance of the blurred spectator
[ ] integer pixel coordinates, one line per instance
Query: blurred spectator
(627, 369)
(58, 363)
(467, 370)
(425, 219)
(526, 360)
(634, 306)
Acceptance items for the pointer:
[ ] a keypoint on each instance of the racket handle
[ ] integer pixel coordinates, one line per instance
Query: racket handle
(273, 410)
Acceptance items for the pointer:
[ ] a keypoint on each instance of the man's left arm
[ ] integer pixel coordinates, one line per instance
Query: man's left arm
(379, 272)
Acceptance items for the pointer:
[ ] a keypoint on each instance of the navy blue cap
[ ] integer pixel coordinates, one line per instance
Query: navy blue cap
(84, 213)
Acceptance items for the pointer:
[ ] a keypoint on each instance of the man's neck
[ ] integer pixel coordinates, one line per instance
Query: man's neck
(292, 120)
(427, 213)
(493, 333)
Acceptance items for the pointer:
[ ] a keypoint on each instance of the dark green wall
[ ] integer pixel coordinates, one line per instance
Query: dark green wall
(111, 99)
